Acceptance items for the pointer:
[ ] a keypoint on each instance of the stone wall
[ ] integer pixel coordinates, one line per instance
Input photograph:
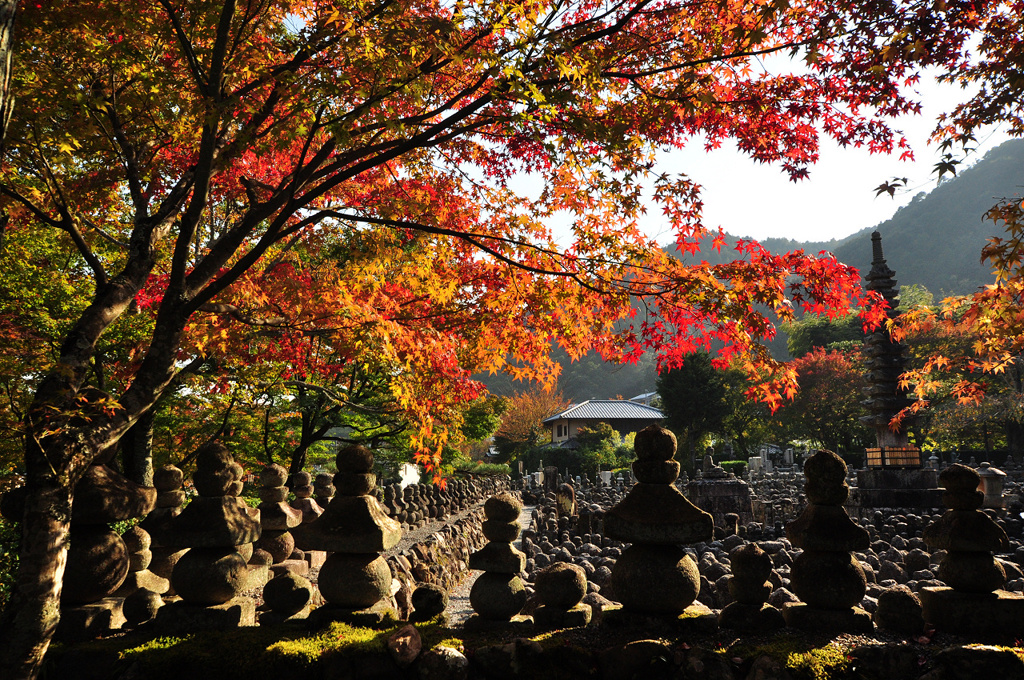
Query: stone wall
(440, 557)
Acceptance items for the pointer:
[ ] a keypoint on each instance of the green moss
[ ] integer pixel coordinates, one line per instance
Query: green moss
(160, 643)
(1019, 651)
(692, 613)
(264, 652)
(820, 663)
(804, 660)
(237, 653)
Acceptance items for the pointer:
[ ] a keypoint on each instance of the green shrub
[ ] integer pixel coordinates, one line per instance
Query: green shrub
(737, 467)
(478, 468)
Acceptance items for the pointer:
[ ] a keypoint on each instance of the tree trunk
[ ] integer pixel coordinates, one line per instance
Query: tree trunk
(693, 456)
(137, 449)
(32, 616)
(1015, 439)
(8, 8)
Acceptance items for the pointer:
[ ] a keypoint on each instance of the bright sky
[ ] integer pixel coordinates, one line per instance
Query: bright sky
(838, 198)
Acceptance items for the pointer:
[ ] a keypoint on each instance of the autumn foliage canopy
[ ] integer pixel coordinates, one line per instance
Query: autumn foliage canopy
(334, 185)
(330, 184)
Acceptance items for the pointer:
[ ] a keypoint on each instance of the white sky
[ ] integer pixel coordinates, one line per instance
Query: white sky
(838, 199)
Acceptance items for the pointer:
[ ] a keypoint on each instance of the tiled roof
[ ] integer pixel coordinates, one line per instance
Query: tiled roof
(608, 409)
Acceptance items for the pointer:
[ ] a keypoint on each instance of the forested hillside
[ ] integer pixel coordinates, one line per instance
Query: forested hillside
(936, 240)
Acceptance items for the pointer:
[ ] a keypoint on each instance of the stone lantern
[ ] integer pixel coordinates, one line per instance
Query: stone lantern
(992, 480)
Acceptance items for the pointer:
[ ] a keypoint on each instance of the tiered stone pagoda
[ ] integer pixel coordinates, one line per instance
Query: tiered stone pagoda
(169, 498)
(749, 585)
(210, 576)
(323, 489)
(498, 595)
(139, 542)
(277, 518)
(302, 487)
(894, 476)
(885, 358)
(826, 576)
(98, 559)
(355, 580)
(973, 602)
(655, 575)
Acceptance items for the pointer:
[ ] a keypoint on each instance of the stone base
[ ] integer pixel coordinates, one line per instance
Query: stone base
(269, 618)
(721, 497)
(896, 488)
(751, 618)
(381, 614)
(697, 619)
(259, 574)
(548, 618)
(181, 617)
(896, 498)
(89, 621)
(805, 617)
(517, 624)
(315, 558)
(993, 616)
(137, 580)
(297, 567)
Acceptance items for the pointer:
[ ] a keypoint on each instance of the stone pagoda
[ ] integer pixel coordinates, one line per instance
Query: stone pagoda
(974, 602)
(826, 576)
(169, 498)
(355, 580)
(498, 595)
(894, 476)
(214, 526)
(655, 575)
(98, 561)
(750, 587)
(278, 518)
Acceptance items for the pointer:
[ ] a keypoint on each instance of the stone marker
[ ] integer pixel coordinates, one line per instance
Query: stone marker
(323, 489)
(288, 597)
(169, 498)
(560, 589)
(826, 576)
(498, 595)
(899, 611)
(138, 542)
(210, 576)
(750, 587)
(428, 601)
(277, 517)
(355, 580)
(973, 603)
(98, 560)
(655, 575)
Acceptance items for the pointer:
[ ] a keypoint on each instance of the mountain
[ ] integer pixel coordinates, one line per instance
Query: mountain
(936, 239)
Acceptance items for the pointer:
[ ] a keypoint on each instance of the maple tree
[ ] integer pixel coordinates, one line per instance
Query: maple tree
(206, 158)
(522, 424)
(826, 408)
(969, 369)
(989, 320)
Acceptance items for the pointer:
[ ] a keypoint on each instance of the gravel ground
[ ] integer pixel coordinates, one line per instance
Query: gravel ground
(459, 608)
